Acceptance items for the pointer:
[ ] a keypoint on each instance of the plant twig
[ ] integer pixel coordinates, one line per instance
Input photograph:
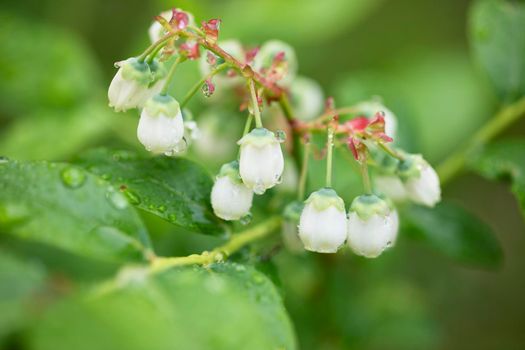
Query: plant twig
(455, 163)
(222, 252)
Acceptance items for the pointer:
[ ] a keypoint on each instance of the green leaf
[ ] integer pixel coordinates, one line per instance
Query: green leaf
(497, 33)
(19, 280)
(224, 306)
(505, 159)
(454, 232)
(63, 206)
(34, 137)
(175, 189)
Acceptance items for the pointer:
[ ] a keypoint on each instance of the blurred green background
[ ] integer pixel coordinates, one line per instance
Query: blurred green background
(56, 62)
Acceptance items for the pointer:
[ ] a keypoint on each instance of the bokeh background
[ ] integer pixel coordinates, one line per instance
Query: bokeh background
(56, 62)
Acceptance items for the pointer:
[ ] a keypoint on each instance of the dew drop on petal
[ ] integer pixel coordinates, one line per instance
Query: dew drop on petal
(259, 188)
(280, 135)
(246, 219)
(73, 177)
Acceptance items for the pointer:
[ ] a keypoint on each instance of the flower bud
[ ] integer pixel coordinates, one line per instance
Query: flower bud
(230, 199)
(157, 31)
(161, 127)
(266, 55)
(130, 85)
(370, 108)
(421, 180)
(322, 226)
(372, 226)
(261, 161)
(307, 98)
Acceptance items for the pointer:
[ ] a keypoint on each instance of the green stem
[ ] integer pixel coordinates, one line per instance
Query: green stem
(154, 46)
(304, 172)
(220, 253)
(155, 52)
(198, 85)
(248, 124)
(171, 73)
(329, 155)
(390, 151)
(455, 163)
(364, 174)
(255, 105)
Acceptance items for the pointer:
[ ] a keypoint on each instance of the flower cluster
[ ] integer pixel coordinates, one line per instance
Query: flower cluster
(372, 222)
(258, 77)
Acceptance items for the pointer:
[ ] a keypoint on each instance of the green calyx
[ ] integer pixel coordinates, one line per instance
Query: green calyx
(325, 198)
(162, 104)
(293, 211)
(232, 171)
(133, 69)
(386, 164)
(410, 167)
(258, 137)
(367, 205)
(158, 70)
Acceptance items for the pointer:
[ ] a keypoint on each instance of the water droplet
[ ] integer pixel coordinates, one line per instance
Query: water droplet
(106, 176)
(172, 217)
(161, 208)
(73, 177)
(246, 219)
(259, 188)
(280, 135)
(3, 160)
(279, 179)
(152, 206)
(132, 197)
(389, 243)
(116, 199)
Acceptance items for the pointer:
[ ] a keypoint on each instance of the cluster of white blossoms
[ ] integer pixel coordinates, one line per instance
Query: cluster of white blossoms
(320, 224)
(371, 224)
(370, 227)
(260, 167)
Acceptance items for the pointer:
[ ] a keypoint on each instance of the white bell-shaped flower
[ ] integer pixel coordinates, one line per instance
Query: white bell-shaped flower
(261, 161)
(230, 199)
(264, 59)
(391, 186)
(129, 87)
(307, 98)
(421, 180)
(372, 226)
(369, 110)
(156, 30)
(322, 226)
(161, 128)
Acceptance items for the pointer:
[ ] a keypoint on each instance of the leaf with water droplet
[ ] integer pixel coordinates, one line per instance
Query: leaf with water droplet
(175, 189)
(73, 176)
(62, 205)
